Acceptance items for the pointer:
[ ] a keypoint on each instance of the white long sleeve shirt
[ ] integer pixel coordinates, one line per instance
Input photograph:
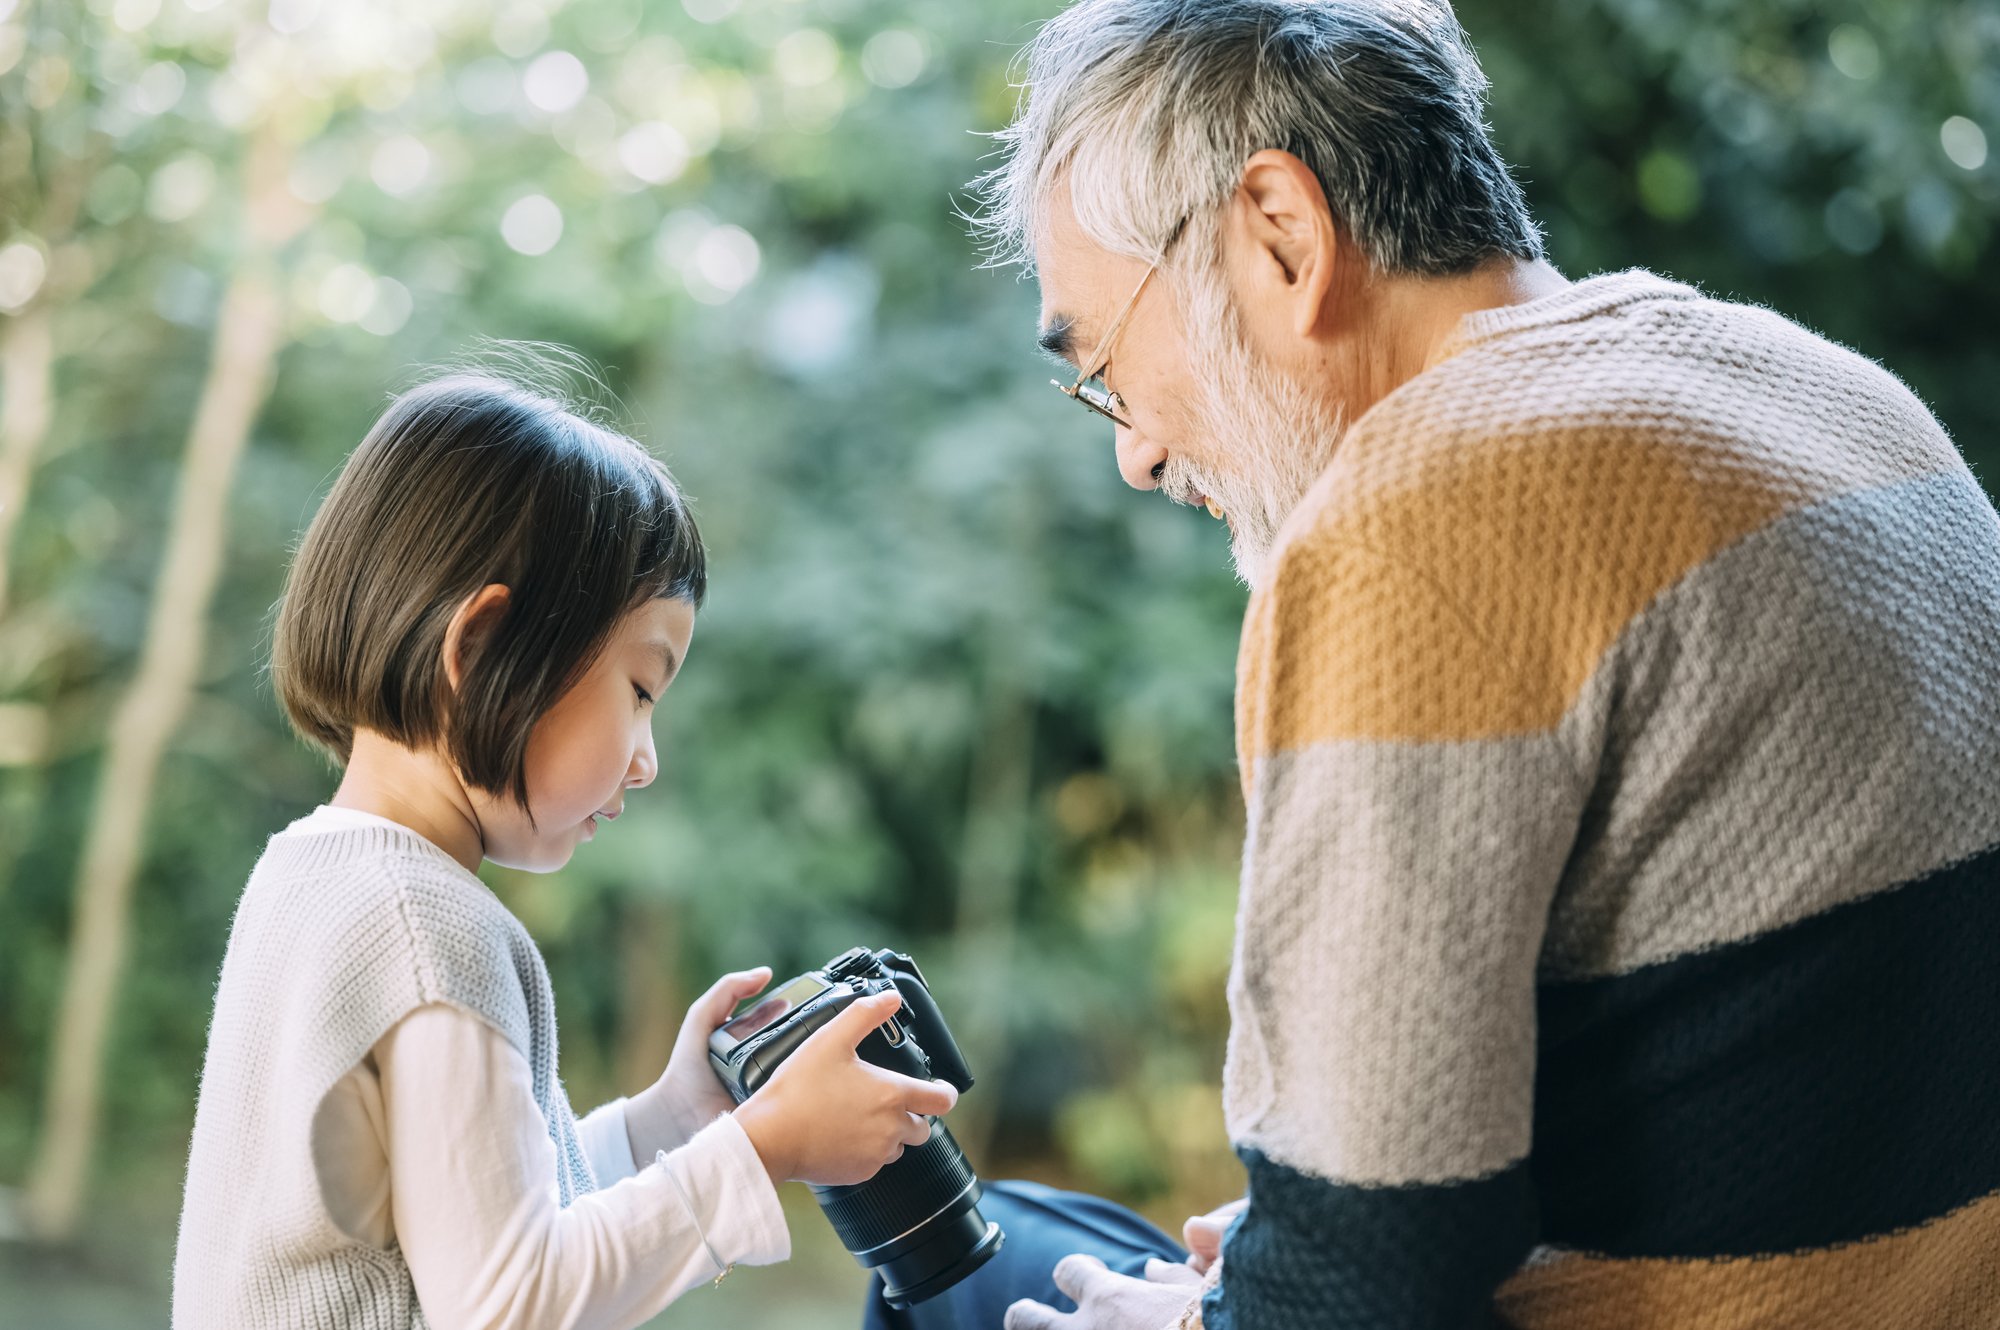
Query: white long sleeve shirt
(434, 1142)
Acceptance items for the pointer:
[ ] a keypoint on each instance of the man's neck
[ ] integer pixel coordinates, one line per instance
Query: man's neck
(417, 790)
(1410, 322)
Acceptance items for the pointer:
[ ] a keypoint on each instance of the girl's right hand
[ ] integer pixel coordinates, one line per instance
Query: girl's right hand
(827, 1117)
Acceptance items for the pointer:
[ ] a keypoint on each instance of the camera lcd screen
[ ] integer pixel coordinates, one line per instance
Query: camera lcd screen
(769, 1008)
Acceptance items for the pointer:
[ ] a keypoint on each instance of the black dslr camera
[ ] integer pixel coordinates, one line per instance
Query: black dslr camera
(917, 1221)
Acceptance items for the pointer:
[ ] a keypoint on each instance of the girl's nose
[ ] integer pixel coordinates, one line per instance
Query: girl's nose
(1139, 458)
(645, 762)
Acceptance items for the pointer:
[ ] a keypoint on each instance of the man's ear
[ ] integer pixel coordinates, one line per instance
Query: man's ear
(472, 625)
(1293, 243)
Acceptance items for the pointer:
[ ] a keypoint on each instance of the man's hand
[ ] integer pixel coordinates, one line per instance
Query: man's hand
(1107, 1301)
(1203, 1234)
(688, 1097)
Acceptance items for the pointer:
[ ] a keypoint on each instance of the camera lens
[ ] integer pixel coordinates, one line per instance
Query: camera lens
(916, 1222)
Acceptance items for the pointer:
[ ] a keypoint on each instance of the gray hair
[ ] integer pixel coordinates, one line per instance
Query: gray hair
(1150, 108)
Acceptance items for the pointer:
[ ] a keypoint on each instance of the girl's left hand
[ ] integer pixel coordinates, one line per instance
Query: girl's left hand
(688, 1097)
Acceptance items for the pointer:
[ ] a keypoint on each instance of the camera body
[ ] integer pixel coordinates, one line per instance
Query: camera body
(917, 1221)
(915, 1041)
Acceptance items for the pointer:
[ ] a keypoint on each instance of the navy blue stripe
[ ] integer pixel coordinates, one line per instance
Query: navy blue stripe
(1830, 1080)
(1309, 1252)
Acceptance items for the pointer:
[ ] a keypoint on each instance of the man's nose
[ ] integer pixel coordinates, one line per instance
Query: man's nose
(1139, 459)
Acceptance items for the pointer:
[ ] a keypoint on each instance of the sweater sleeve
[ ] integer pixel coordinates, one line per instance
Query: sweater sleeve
(474, 1198)
(1406, 833)
(605, 1143)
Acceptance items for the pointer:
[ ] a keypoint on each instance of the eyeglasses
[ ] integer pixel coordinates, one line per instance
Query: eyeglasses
(1090, 388)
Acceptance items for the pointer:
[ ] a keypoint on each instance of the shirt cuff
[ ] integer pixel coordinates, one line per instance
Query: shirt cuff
(606, 1145)
(731, 1194)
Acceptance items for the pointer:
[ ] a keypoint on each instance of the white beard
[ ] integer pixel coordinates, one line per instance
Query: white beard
(1276, 436)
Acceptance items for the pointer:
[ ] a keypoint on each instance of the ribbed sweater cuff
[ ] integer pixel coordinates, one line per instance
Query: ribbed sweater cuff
(731, 1195)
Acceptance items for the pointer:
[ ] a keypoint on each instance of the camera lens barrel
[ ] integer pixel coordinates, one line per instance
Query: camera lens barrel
(916, 1222)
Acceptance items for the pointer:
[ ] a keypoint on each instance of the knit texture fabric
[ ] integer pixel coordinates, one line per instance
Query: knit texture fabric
(337, 937)
(1619, 723)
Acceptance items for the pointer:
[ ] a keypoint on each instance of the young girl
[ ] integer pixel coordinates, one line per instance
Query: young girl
(479, 624)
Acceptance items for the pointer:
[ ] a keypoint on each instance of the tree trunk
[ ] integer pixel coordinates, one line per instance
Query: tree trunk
(27, 366)
(651, 1002)
(248, 332)
(27, 348)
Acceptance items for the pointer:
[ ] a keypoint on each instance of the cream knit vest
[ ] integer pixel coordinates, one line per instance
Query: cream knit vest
(337, 937)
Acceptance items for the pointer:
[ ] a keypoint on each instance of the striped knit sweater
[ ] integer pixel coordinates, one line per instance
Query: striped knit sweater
(1620, 729)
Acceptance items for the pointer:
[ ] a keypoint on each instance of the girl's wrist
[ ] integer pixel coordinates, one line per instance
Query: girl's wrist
(766, 1139)
(653, 1121)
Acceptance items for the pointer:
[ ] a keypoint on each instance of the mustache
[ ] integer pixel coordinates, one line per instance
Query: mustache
(1183, 484)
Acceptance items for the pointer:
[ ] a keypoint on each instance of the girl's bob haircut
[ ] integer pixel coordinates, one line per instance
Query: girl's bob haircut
(468, 480)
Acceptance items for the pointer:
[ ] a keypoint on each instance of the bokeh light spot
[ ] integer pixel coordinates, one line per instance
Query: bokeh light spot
(532, 225)
(894, 58)
(1669, 187)
(400, 165)
(555, 82)
(179, 188)
(723, 262)
(1853, 221)
(22, 268)
(653, 151)
(1853, 52)
(1964, 142)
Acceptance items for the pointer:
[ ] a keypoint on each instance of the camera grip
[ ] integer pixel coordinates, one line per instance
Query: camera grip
(922, 1019)
(902, 1056)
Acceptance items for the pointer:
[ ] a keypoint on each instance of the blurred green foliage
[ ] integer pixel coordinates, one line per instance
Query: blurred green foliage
(956, 690)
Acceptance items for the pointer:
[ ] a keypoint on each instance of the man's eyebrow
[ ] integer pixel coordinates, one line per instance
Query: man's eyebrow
(1058, 338)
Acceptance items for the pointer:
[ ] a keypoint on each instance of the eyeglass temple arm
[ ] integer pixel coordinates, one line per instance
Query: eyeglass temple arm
(1103, 351)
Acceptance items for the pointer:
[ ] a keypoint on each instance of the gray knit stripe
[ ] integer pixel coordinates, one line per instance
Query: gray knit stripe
(1833, 682)
(1392, 905)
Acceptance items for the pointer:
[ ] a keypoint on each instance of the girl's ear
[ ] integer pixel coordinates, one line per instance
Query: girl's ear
(472, 623)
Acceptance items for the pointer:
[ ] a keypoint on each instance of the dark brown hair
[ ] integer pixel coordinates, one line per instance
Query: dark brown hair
(466, 480)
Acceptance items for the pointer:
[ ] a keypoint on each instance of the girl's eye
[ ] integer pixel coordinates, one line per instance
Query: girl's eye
(644, 696)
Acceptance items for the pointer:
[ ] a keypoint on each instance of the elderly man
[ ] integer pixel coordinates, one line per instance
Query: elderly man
(1618, 712)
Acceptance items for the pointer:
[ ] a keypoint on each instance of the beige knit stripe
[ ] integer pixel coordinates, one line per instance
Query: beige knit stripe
(1834, 687)
(1551, 540)
(1945, 1273)
(1382, 998)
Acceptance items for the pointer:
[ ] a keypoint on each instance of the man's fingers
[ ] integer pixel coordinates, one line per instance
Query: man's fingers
(1204, 1243)
(1203, 1233)
(1027, 1314)
(1171, 1272)
(916, 1130)
(1075, 1272)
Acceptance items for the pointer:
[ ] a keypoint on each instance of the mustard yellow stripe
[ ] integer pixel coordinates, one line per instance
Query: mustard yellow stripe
(1470, 590)
(1944, 1273)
